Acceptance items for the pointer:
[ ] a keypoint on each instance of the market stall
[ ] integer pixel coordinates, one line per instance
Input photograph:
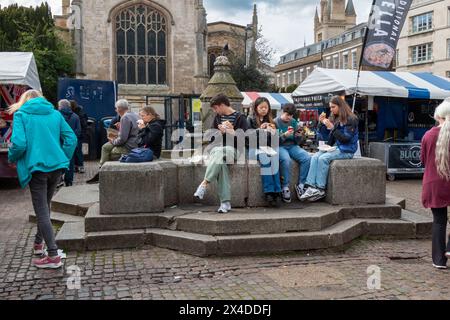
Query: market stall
(18, 73)
(277, 100)
(395, 109)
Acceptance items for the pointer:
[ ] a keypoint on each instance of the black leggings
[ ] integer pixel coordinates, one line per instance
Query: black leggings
(440, 247)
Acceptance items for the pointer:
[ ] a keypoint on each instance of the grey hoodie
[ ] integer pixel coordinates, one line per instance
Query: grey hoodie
(128, 131)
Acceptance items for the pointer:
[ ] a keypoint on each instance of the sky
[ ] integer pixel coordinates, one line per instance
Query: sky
(286, 24)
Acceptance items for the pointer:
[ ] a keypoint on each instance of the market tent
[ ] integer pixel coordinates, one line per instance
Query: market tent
(19, 68)
(277, 100)
(375, 83)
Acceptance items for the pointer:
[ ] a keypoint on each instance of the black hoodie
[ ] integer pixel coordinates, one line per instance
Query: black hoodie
(151, 136)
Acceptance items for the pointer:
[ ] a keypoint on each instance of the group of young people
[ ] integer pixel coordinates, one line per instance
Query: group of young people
(277, 146)
(43, 145)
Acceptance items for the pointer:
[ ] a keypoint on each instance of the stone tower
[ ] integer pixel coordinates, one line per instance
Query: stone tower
(252, 37)
(335, 17)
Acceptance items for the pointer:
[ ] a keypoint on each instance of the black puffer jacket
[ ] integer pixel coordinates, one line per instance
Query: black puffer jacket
(151, 136)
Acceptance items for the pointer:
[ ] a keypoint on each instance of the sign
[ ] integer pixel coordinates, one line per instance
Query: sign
(385, 25)
(420, 115)
(98, 98)
(196, 105)
(405, 156)
(319, 101)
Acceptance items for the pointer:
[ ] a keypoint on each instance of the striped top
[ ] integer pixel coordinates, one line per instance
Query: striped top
(231, 118)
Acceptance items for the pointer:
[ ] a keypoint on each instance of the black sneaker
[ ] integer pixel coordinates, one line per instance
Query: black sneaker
(270, 199)
(286, 195)
(277, 201)
(94, 180)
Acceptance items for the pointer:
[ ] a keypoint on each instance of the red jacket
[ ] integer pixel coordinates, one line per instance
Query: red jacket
(436, 191)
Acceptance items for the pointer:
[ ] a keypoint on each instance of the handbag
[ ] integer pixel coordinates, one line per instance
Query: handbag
(138, 155)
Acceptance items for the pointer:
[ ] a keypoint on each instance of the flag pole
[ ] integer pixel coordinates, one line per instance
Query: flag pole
(362, 56)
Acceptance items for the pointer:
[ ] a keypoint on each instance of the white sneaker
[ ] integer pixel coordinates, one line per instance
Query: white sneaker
(440, 267)
(61, 253)
(200, 193)
(299, 190)
(318, 196)
(447, 255)
(225, 207)
(286, 195)
(310, 192)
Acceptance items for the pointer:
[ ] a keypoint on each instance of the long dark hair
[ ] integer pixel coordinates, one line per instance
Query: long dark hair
(268, 118)
(150, 111)
(345, 112)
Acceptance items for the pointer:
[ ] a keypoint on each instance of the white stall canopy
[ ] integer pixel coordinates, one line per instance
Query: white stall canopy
(420, 85)
(19, 68)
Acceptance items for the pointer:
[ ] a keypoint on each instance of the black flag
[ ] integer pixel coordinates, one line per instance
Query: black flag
(385, 25)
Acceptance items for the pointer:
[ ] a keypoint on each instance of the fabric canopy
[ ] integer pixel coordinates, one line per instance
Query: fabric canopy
(19, 68)
(277, 100)
(375, 83)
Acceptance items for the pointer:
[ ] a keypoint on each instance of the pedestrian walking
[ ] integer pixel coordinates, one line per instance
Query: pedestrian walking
(42, 146)
(436, 182)
(73, 121)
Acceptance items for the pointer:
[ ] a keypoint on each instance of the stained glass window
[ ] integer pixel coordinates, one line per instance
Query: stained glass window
(141, 46)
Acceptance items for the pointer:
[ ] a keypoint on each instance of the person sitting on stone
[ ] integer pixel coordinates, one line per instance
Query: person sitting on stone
(290, 138)
(343, 124)
(262, 121)
(126, 140)
(151, 131)
(227, 121)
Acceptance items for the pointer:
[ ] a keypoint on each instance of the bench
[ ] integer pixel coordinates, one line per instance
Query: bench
(150, 187)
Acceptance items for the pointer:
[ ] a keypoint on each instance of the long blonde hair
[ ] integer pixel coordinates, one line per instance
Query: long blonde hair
(443, 142)
(27, 95)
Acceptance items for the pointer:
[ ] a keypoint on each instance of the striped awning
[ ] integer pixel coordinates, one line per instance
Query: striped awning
(277, 100)
(375, 83)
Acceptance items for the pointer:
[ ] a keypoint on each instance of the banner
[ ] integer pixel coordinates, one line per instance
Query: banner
(405, 156)
(385, 25)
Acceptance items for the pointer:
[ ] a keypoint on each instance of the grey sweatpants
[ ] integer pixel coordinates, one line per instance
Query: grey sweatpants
(42, 187)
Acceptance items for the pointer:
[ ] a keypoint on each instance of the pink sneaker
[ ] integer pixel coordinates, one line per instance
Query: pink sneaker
(48, 263)
(38, 249)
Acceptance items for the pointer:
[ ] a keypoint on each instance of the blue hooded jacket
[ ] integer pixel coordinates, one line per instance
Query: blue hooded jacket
(42, 141)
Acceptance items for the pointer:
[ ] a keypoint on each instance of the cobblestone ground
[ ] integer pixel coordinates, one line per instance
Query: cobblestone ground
(154, 273)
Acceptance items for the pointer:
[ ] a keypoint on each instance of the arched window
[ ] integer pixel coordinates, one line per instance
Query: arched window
(141, 47)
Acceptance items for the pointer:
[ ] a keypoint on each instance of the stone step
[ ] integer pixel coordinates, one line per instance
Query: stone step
(204, 245)
(75, 200)
(72, 236)
(59, 218)
(204, 220)
(422, 223)
(390, 199)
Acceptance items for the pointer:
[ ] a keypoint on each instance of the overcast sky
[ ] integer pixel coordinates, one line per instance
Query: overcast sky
(287, 24)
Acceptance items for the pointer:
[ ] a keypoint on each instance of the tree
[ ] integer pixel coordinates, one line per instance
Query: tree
(252, 77)
(33, 30)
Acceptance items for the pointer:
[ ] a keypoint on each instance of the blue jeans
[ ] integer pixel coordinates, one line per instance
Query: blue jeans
(320, 165)
(270, 171)
(298, 154)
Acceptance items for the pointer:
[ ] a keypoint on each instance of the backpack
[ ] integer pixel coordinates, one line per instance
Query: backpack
(138, 155)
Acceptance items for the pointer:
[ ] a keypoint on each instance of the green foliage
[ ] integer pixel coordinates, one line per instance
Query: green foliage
(33, 30)
(248, 78)
(291, 88)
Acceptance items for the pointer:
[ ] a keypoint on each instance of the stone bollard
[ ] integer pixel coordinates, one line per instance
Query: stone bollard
(356, 182)
(127, 188)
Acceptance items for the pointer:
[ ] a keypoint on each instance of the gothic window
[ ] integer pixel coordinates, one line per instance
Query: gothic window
(141, 46)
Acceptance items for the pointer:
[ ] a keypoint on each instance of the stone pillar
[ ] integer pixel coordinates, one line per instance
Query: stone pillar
(77, 23)
(201, 32)
(221, 82)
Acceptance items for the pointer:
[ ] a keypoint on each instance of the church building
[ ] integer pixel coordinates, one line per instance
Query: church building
(148, 47)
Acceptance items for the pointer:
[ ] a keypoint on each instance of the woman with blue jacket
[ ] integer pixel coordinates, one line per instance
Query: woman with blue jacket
(42, 146)
(343, 125)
